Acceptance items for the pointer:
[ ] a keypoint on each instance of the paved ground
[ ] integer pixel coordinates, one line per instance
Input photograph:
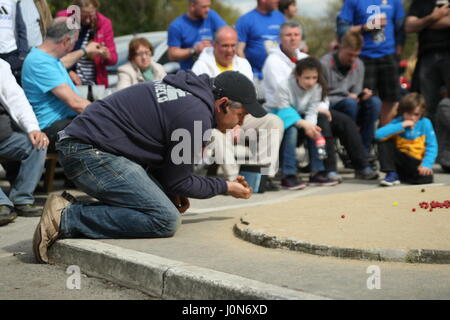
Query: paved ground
(22, 278)
(206, 240)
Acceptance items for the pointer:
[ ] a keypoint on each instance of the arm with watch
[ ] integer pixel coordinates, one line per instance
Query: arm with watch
(71, 58)
(179, 54)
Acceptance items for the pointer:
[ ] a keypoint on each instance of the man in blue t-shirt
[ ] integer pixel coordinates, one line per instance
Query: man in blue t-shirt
(258, 31)
(190, 33)
(47, 84)
(381, 24)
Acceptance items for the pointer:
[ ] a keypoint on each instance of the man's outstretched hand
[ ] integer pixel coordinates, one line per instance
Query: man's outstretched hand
(239, 188)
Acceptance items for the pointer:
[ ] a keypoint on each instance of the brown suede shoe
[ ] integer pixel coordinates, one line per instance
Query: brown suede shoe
(47, 231)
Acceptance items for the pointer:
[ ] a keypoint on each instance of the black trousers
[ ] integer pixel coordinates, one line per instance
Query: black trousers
(53, 130)
(392, 159)
(345, 129)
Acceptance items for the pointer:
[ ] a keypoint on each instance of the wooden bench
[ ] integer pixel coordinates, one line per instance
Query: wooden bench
(50, 167)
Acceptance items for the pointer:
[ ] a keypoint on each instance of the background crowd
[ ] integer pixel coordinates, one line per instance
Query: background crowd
(348, 102)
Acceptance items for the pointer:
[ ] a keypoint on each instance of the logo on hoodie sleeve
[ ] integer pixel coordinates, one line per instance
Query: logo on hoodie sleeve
(165, 92)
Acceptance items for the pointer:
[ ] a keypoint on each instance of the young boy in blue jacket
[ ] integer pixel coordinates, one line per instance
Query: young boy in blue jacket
(407, 145)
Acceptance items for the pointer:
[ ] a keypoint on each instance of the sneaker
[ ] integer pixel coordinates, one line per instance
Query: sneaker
(291, 182)
(47, 231)
(366, 174)
(334, 176)
(270, 185)
(321, 179)
(7, 215)
(27, 210)
(390, 180)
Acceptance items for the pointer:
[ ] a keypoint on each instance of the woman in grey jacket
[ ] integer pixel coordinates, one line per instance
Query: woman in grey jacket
(141, 67)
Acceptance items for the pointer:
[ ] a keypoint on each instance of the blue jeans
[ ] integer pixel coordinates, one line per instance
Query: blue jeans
(18, 147)
(131, 204)
(365, 114)
(288, 153)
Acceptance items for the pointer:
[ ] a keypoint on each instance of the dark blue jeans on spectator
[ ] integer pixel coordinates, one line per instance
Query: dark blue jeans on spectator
(288, 159)
(18, 147)
(131, 204)
(364, 114)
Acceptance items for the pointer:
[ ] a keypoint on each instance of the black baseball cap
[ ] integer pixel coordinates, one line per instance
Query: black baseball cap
(237, 87)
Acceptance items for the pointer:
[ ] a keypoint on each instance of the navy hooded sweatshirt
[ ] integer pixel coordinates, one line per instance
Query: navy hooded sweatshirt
(138, 123)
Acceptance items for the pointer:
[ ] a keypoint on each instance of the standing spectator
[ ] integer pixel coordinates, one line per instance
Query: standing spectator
(91, 69)
(443, 130)
(288, 8)
(13, 36)
(258, 32)
(27, 145)
(381, 23)
(344, 72)
(140, 66)
(222, 57)
(47, 84)
(190, 33)
(37, 17)
(432, 22)
(408, 146)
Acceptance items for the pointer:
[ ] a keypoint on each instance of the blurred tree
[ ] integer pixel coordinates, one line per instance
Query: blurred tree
(321, 31)
(136, 16)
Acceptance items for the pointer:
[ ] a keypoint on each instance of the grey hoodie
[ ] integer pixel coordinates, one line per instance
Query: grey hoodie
(340, 86)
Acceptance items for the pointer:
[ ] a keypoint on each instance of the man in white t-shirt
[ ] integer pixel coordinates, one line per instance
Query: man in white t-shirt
(13, 36)
(222, 57)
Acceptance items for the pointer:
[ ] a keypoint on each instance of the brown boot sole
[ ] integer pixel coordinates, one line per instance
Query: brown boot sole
(37, 239)
(7, 220)
(41, 242)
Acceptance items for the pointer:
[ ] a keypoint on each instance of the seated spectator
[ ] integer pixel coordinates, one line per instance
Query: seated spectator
(289, 9)
(301, 95)
(91, 68)
(27, 145)
(280, 64)
(344, 72)
(222, 57)
(47, 84)
(37, 17)
(13, 36)
(190, 33)
(407, 145)
(443, 130)
(281, 61)
(141, 66)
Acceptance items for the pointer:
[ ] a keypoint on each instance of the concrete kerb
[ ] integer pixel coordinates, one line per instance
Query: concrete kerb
(164, 278)
(259, 237)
